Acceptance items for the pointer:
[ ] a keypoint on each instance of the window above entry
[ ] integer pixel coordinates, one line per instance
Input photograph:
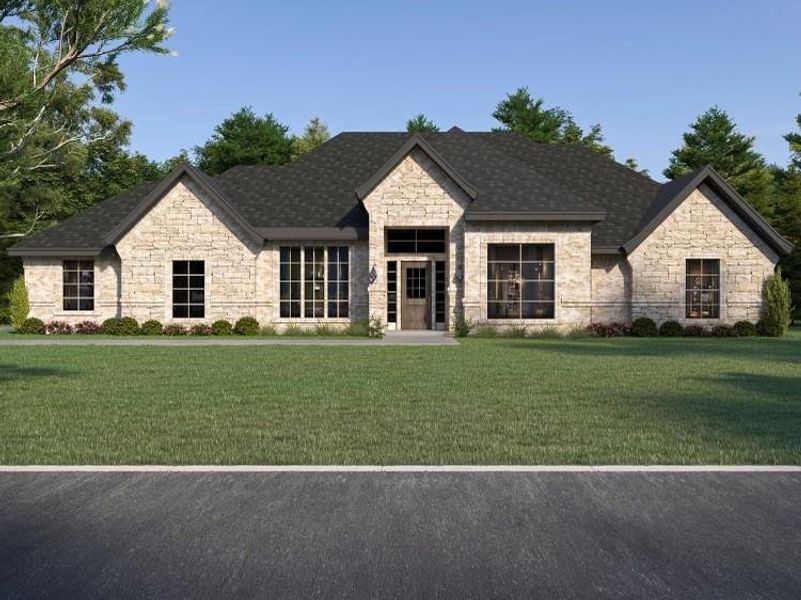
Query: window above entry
(416, 241)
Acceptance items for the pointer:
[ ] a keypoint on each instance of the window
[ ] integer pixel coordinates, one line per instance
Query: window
(188, 289)
(703, 288)
(416, 241)
(314, 282)
(416, 284)
(79, 285)
(520, 281)
(338, 278)
(439, 292)
(392, 291)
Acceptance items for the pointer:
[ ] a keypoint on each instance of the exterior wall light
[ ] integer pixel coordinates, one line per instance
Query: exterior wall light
(371, 278)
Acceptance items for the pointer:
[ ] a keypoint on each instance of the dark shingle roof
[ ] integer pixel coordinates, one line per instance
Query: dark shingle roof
(507, 174)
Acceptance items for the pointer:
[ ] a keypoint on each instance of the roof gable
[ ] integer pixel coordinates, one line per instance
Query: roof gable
(675, 192)
(416, 141)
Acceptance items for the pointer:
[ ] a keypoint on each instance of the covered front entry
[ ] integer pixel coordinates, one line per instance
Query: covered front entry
(415, 295)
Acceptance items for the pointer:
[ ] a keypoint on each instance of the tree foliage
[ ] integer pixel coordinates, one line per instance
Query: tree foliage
(245, 138)
(632, 164)
(521, 113)
(421, 124)
(314, 135)
(714, 140)
(794, 140)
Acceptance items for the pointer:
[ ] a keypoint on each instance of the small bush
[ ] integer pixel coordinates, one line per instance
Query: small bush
(152, 327)
(221, 327)
(671, 329)
(88, 328)
(173, 329)
(268, 331)
(745, 328)
(111, 326)
(357, 329)
(200, 329)
(723, 331)
(579, 333)
(777, 312)
(515, 331)
(546, 333)
(462, 326)
(643, 327)
(58, 328)
(18, 304)
(32, 325)
(695, 331)
(375, 328)
(246, 326)
(121, 326)
(611, 329)
(485, 330)
(324, 329)
(292, 329)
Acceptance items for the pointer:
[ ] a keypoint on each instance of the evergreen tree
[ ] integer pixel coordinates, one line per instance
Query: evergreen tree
(794, 139)
(787, 219)
(421, 124)
(521, 113)
(632, 164)
(714, 140)
(314, 135)
(244, 138)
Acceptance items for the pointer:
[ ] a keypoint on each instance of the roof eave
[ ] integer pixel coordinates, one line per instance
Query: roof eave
(529, 215)
(313, 233)
(54, 252)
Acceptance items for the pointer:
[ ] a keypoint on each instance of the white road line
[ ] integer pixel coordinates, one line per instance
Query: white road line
(400, 469)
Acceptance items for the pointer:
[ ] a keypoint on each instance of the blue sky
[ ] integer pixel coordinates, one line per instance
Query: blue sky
(643, 69)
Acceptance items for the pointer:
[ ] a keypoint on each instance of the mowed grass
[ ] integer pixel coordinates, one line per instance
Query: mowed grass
(487, 401)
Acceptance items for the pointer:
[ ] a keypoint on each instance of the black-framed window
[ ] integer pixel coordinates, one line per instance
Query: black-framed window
(392, 291)
(703, 288)
(314, 281)
(439, 292)
(188, 289)
(338, 282)
(520, 281)
(79, 285)
(413, 241)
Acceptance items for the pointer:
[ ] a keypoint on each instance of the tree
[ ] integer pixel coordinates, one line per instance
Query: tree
(714, 140)
(58, 56)
(519, 112)
(313, 136)
(421, 124)
(794, 139)
(632, 164)
(245, 139)
(787, 219)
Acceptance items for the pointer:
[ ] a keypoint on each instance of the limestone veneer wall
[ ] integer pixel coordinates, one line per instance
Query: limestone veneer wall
(417, 193)
(611, 289)
(703, 226)
(573, 291)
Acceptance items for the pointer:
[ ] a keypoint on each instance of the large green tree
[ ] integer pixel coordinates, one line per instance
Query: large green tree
(245, 138)
(787, 219)
(794, 139)
(314, 135)
(713, 139)
(521, 113)
(421, 124)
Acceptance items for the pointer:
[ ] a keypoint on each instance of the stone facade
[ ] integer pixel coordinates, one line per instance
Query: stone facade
(242, 278)
(703, 226)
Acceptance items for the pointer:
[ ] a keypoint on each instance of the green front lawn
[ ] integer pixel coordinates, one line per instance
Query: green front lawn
(490, 401)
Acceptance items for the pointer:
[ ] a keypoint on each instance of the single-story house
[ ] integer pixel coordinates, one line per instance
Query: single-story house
(413, 229)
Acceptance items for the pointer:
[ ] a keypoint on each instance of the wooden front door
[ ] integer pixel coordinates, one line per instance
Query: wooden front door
(415, 296)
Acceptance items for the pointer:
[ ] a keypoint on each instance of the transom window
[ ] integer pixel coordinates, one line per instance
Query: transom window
(520, 281)
(414, 241)
(703, 288)
(314, 282)
(79, 285)
(188, 289)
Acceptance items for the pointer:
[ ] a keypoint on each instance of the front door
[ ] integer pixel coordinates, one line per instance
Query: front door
(415, 296)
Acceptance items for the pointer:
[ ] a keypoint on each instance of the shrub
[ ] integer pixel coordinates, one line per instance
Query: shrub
(745, 328)
(246, 326)
(357, 329)
(268, 331)
(777, 313)
(546, 333)
(88, 328)
(111, 326)
(579, 333)
(174, 329)
(292, 329)
(152, 327)
(18, 305)
(462, 326)
(58, 328)
(695, 331)
(671, 329)
(611, 329)
(515, 331)
(326, 329)
(485, 330)
(200, 329)
(120, 326)
(32, 325)
(221, 327)
(375, 328)
(723, 331)
(643, 327)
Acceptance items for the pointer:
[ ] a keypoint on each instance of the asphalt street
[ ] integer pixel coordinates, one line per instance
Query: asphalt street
(400, 535)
